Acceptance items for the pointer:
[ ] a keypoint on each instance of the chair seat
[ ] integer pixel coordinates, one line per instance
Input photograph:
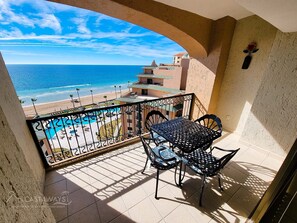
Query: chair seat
(165, 157)
(202, 162)
(157, 138)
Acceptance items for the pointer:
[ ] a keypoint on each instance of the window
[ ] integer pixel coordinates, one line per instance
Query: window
(144, 92)
(129, 120)
(149, 81)
(130, 128)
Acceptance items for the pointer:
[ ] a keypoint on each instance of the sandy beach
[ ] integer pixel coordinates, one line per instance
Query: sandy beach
(46, 108)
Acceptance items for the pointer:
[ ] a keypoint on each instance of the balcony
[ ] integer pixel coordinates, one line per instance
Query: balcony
(111, 188)
(155, 86)
(100, 184)
(155, 76)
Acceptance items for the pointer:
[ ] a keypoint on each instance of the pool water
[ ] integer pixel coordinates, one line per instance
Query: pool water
(57, 125)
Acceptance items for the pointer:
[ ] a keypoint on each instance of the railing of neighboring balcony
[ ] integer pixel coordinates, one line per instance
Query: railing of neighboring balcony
(65, 137)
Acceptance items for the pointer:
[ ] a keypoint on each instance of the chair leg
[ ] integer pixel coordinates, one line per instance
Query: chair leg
(144, 165)
(202, 188)
(220, 185)
(157, 181)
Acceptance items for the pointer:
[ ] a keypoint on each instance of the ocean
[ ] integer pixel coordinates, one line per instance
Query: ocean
(49, 83)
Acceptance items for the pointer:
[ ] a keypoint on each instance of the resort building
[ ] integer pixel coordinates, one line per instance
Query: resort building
(156, 82)
(253, 93)
(164, 80)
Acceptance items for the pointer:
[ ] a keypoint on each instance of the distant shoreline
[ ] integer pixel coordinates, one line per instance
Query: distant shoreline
(45, 108)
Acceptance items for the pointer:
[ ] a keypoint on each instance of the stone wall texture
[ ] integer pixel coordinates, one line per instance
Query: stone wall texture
(15, 116)
(21, 176)
(20, 197)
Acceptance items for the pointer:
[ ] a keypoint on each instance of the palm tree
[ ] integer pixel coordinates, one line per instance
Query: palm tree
(105, 99)
(129, 85)
(120, 90)
(21, 101)
(71, 96)
(92, 96)
(115, 90)
(33, 100)
(77, 90)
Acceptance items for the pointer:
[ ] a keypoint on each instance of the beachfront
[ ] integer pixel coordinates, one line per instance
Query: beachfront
(50, 107)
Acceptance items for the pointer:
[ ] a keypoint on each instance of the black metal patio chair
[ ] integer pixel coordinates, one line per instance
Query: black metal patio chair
(154, 117)
(210, 121)
(161, 157)
(206, 164)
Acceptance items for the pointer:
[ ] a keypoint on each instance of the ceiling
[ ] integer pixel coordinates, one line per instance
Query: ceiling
(281, 14)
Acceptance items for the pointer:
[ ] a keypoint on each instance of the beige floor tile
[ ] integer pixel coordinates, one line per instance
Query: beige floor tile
(110, 209)
(226, 214)
(181, 214)
(95, 173)
(113, 183)
(166, 202)
(133, 196)
(144, 212)
(123, 218)
(59, 213)
(243, 202)
(55, 189)
(87, 215)
(64, 221)
(79, 200)
(272, 162)
(75, 183)
(53, 177)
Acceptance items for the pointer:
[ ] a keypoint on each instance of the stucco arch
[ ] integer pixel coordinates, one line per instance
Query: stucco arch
(189, 30)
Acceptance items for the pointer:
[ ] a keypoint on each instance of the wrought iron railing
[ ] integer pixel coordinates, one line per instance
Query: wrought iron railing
(63, 137)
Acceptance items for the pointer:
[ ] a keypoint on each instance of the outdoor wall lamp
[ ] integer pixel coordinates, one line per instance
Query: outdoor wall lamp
(251, 48)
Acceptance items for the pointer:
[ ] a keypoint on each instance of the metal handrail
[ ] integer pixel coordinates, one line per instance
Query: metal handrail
(63, 137)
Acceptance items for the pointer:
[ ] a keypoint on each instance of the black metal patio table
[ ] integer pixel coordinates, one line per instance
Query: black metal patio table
(185, 134)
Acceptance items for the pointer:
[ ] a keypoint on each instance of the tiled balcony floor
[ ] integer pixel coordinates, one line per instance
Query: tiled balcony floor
(111, 188)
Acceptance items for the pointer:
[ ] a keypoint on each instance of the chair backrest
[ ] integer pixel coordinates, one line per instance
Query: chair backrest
(225, 159)
(211, 121)
(154, 117)
(206, 163)
(147, 149)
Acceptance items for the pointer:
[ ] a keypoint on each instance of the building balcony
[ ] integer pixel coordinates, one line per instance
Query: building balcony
(156, 76)
(99, 175)
(111, 188)
(156, 87)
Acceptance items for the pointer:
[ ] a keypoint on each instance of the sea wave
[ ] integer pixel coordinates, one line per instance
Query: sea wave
(70, 86)
(46, 94)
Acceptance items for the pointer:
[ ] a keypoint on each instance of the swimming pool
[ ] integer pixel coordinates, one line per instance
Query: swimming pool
(58, 124)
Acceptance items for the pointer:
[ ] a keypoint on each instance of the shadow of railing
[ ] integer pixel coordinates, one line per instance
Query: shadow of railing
(111, 177)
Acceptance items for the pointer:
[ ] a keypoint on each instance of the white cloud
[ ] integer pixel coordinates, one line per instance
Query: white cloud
(81, 25)
(50, 21)
(44, 19)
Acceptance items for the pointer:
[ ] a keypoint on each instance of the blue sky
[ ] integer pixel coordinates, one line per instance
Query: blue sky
(41, 32)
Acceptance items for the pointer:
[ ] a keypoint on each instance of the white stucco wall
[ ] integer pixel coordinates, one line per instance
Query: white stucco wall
(239, 86)
(272, 122)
